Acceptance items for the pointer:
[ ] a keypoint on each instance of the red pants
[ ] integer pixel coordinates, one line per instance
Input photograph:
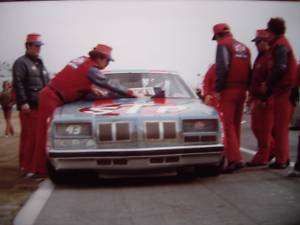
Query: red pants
(262, 124)
(27, 139)
(231, 106)
(282, 116)
(48, 102)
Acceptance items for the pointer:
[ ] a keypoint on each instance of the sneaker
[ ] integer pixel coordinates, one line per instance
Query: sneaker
(255, 164)
(294, 173)
(279, 166)
(233, 166)
(38, 176)
(29, 175)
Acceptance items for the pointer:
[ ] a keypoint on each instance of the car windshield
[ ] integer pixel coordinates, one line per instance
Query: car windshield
(153, 84)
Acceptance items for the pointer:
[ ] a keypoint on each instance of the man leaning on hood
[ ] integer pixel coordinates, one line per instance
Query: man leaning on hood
(74, 81)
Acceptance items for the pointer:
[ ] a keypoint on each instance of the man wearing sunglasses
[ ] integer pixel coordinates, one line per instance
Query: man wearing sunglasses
(261, 109)
(77, 79)
(29, 77)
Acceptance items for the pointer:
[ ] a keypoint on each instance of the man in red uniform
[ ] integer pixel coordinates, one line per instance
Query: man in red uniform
(72, 83)
(233, 75)
(279, 85)
(261, 111)
(29, 78)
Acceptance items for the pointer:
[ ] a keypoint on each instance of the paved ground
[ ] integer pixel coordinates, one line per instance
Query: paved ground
(251, 197)
(255, 196)
(14, 190)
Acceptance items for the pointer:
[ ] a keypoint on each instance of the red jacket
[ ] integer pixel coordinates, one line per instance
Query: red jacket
(260, 73)
(232, 64)
(284, 69)
(72, 82)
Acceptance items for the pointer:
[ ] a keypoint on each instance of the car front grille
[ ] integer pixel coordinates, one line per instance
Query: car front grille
(105, 132)
(119, 131)
(160, 130)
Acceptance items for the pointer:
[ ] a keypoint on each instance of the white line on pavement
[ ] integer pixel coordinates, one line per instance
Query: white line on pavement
(251, 152)
(30, 211)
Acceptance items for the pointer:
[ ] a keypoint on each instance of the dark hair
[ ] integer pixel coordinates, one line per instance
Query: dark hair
(4, 83)
(97, 55)
(277, 25)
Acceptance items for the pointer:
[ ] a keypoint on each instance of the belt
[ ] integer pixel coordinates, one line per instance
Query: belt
(59, 95)
(237, 84)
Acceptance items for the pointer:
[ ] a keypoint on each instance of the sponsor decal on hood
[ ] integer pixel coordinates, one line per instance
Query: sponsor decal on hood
(145, 107)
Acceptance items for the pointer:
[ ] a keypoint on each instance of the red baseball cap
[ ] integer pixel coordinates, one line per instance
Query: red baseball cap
(262, 35)
(34, 39)
(105, 50)
(220, 28)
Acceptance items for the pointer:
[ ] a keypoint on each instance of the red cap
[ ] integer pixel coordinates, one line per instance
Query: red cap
(220, 28)
(105, 50)
(34, 38)
(263, 35)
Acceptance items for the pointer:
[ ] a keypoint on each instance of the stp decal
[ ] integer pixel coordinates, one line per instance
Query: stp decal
(145, 108)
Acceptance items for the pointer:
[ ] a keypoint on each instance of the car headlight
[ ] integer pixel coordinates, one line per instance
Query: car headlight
(73, 130)
(200, 125)
(74, 143)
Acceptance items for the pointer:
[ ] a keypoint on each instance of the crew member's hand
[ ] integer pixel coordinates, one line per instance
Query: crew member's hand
(263, 104)
(25, 108)
(263, 88)
(218, 96)
(130, 94)
(98, 91)
(207, 99)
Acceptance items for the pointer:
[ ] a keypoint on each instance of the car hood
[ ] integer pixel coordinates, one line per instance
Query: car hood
(136, 107)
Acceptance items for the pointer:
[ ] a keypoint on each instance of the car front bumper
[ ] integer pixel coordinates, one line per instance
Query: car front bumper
(135, 159)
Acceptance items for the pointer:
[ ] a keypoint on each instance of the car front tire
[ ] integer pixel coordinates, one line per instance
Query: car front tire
(57, 177)
(211, 170)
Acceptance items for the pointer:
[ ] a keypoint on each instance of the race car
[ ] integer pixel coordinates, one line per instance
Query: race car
(166, 128)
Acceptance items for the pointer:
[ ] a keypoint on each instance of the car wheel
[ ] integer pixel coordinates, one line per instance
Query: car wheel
(186, 172)
(57, 177)
(211, 170)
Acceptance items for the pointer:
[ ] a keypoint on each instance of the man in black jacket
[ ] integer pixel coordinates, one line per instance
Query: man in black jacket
(29, 77)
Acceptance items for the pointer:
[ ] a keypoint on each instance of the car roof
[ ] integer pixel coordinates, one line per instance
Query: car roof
(141, 71)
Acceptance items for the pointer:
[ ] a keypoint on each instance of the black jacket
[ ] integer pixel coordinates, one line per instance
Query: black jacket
(29, 77)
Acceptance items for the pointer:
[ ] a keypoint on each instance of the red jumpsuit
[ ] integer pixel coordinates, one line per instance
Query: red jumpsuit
(27, 139)
(280, 89)
(233, 74)
(262, 112)
(68, 85)
(209, 84)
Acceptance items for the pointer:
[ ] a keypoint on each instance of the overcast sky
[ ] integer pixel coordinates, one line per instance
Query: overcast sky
(166, 35)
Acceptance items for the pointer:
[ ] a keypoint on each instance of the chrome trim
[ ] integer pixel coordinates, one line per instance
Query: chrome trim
(136, 149)
(135, 163)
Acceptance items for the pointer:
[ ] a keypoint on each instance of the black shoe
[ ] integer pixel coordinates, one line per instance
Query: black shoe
(294, 173)
(279, 166)
(233, 166)
(255, 164)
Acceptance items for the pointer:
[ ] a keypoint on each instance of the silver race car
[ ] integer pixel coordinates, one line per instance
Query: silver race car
(167, 127)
